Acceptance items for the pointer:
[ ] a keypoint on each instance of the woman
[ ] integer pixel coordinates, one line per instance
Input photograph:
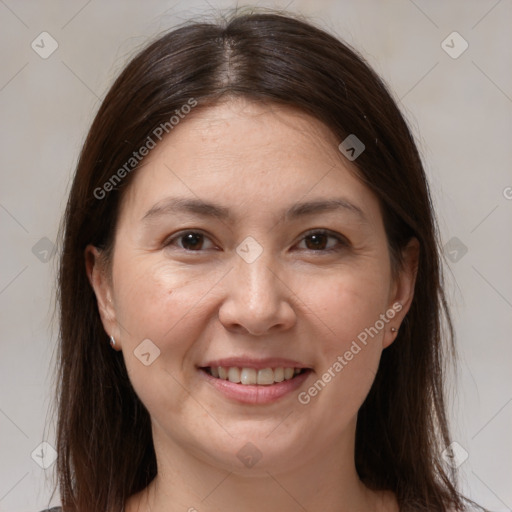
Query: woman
(250, 288)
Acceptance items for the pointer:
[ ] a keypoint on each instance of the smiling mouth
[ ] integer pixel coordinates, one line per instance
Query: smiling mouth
(253, 376)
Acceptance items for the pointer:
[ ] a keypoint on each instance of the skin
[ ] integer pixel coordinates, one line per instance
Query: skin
(293, 301)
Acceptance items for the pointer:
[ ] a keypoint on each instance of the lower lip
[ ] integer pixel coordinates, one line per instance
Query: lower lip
(250, 394)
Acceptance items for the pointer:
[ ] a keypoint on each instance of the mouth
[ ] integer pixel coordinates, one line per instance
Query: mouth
(255, 382)
(248, 376)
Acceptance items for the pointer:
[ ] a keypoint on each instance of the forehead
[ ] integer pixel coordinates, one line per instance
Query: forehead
(249, 154)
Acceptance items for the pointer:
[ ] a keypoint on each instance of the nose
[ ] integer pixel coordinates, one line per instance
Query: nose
(258, 299)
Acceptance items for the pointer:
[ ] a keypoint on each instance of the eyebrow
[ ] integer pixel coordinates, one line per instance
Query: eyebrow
(174, 205)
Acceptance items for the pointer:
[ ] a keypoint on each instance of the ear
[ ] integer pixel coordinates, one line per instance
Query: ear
(402, 290)
(97, 274)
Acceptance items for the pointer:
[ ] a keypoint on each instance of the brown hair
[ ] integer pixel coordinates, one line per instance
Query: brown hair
(104, 441)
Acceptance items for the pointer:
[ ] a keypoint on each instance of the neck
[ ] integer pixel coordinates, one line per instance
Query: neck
(328, 482)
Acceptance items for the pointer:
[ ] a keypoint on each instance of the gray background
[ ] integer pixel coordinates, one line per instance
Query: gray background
(459, 108)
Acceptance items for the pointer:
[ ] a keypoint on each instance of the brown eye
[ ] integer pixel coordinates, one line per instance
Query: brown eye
(318, 241)
(188, 240)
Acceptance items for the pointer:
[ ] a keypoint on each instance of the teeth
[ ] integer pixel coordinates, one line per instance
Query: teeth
(265, 376)
(288, 373)
(279, 374)
(251, 376)
(248, 376)
(234, 375)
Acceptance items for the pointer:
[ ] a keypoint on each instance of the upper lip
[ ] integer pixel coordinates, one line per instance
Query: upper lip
(258, 364)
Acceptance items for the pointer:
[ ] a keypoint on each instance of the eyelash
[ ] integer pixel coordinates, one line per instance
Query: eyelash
(342, 241)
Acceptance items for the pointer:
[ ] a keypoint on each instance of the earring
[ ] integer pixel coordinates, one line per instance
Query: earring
(394, 329)
(112, 341)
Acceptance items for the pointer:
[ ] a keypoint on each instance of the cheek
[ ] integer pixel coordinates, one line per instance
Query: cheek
(157, 300)
(351, 310)
(351, 304)
(163, 304)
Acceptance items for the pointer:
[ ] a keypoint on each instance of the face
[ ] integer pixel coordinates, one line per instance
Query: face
(246, 249)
